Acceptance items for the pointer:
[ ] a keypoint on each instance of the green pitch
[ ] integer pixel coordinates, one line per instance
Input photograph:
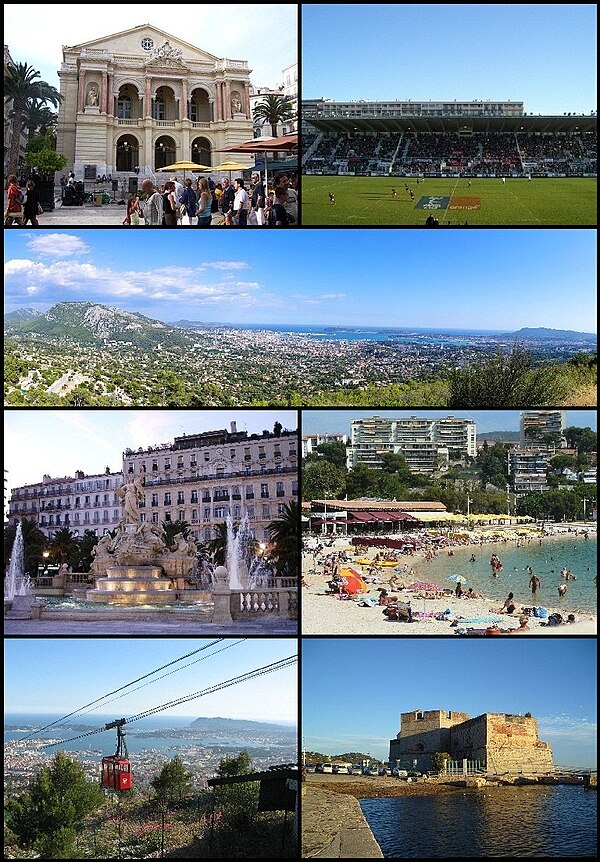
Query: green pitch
(369, 201)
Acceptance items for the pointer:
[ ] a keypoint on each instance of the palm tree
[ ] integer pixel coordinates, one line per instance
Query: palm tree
(21, 86)
(217, 547)
(64, 546)
(38, 118)
(272, 110)
(284, 538)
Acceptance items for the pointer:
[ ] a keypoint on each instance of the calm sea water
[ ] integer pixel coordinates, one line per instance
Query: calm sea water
(453, 337)
(546, 560)
(501, 821)
(105, 742)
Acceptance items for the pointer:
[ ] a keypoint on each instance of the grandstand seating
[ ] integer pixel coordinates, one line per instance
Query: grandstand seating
(449, 153)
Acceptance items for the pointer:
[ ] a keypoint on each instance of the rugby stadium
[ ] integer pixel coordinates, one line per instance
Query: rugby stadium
(446, 164)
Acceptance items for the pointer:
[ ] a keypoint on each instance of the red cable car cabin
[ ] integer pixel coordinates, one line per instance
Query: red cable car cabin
(116, 773)
(116, 769)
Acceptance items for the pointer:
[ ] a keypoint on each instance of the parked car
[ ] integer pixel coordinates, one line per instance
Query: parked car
(340, 769)
(385, 770)
(371, 770)
(319, 767)
(356, 769)
(402, 773)
(310, 767)
(413, 773)
(327, 767)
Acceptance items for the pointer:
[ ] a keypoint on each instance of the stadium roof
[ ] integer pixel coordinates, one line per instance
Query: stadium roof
(441, 123)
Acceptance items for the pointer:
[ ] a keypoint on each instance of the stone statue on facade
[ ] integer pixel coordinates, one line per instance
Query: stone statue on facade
(92, 98)
(236, 105)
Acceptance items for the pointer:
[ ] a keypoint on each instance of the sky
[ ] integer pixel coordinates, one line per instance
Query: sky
(338, 421)
(354, 689)
(58, 442)
(264, 35)
(541, 54)
(490, 279)
(48, 675)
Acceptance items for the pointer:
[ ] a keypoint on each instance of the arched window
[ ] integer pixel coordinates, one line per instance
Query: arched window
(124, 108)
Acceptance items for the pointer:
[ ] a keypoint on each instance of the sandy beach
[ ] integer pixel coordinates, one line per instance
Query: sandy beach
(328, 615)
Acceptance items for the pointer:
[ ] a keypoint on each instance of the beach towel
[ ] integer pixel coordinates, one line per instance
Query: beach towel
(494, 619)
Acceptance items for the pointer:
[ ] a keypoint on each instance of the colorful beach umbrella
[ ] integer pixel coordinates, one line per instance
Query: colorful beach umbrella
(456, 579)
(353, 582)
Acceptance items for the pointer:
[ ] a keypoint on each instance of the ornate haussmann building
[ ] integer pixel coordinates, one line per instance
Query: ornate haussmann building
(145, 99)
(199, 478)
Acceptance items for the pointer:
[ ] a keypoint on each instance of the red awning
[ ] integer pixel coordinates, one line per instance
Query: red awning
(363, 516)
(284, 142)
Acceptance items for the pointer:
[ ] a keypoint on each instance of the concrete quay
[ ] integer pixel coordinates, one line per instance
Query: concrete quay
(334, 827)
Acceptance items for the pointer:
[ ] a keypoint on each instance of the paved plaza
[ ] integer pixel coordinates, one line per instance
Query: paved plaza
(108, 215)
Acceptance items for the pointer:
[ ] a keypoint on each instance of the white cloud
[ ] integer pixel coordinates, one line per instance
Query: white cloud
(58, 244)
(85, 280)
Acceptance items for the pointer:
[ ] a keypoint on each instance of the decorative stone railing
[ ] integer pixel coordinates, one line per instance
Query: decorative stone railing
(278, 602)
(43, 582)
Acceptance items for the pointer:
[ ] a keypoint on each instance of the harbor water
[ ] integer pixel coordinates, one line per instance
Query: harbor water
(495, 822)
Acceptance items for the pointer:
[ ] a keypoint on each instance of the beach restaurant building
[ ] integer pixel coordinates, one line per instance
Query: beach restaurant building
(374, 516)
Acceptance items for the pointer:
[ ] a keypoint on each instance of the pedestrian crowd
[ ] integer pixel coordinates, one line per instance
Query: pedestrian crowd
(206, 203)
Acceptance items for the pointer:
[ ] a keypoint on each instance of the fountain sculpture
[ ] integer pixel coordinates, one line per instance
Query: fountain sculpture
(135, 567)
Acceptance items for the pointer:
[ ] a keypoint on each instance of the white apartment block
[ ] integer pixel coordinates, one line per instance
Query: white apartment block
(528, 468)
(310, 442)
(427, 444)
(537, 424)
(79, 502)
(203, 478)
(198, 478)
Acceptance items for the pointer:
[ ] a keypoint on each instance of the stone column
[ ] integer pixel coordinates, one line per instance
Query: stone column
(227, 113)
(283, 603)
(221, 597)
(148, 99)
(147, 158)
(104, 103)
(184, 100)
(247, 95)
(110, 96)
(219, 100)
(81, 95)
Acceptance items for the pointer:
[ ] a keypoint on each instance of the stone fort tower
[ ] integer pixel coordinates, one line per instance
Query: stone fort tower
(502, 742)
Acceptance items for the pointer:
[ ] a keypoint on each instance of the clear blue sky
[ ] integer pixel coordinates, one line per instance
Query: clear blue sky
(541, 54)
(490, 279)
(338, 421)
(58, 442)
(354, 689)
(62, 674)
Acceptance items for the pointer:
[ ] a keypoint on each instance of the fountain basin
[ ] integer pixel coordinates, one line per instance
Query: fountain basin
(132, 585)
(139, 597)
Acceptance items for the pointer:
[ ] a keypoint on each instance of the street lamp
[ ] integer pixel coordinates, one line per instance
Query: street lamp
(584, 501)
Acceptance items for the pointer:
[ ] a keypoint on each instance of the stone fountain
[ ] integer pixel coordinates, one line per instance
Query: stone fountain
(135, 567)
